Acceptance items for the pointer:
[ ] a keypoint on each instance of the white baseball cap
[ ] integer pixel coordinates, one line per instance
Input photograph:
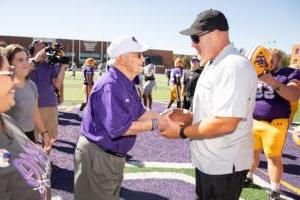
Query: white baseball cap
(123, 45)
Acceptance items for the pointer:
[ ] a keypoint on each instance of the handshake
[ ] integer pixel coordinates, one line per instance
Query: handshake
(171, 120)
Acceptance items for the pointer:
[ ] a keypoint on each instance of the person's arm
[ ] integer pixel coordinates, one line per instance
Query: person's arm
(208, 128)
(37, 119)
(290, 91)
(60, 77)
(149, 121)
(39, 57)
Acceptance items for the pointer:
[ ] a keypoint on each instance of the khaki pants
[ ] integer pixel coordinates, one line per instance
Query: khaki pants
(50, 119)
(98, 175)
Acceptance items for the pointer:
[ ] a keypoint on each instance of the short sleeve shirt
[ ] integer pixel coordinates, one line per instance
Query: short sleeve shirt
(226, 88)
(23, 110)
(113, 105)
(43, 76)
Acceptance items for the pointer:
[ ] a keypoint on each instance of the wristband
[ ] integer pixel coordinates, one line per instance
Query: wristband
(181, 133)
(154, 124)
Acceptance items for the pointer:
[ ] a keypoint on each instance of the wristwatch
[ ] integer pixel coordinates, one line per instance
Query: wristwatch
(154, 124)
(181, 133)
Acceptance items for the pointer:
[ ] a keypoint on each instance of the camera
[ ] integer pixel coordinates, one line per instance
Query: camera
(55, 54)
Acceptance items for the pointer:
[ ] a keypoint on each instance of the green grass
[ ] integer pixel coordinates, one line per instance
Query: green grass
(74, 93)
(189, 172)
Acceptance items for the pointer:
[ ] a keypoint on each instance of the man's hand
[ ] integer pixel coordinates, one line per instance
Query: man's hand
(180, 116)
(171, 129)
(40, 56)
(268, 79)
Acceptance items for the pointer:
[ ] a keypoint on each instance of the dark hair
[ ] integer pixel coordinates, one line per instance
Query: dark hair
(31, 46)
(147, 60)
(11, 50)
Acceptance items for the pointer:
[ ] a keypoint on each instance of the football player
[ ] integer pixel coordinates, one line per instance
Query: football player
(278, 87)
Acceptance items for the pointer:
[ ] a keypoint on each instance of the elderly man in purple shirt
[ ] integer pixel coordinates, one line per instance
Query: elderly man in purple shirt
(113, 117)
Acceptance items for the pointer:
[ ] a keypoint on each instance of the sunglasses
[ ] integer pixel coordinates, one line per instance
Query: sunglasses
(10, 73)
(196, 38)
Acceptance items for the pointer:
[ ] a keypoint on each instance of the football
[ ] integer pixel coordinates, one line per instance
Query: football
(182, 116)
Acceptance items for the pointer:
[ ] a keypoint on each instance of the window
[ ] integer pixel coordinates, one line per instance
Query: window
(297, 51)
(295, 61)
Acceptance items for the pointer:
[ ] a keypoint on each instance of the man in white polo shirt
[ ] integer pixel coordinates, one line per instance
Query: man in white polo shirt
(221, 132)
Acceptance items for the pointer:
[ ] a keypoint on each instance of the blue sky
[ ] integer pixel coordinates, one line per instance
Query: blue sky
(155, 22)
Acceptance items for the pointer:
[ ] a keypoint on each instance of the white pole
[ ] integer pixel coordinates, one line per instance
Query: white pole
(101, 51)
(73, 53)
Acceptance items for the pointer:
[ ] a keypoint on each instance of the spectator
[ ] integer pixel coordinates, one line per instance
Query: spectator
(48, 78)
(149, 75)
(25, 169)
(190, 79)
(74, 69)
(26, 111)
(168, 74)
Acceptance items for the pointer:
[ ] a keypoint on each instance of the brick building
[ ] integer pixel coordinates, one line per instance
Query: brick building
(295, 56)
(79, 50)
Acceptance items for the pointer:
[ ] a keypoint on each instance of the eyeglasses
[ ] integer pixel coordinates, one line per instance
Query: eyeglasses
(10, 73)
(196, 38)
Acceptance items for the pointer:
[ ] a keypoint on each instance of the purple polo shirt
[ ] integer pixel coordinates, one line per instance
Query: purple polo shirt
(269, 104)
(176, 74)
(43, 76)
(112, 107)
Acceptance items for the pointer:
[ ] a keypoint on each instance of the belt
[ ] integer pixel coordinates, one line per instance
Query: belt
(114, 153)
(106, 151)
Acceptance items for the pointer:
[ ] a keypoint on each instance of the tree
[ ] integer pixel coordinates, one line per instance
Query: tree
(285, 59)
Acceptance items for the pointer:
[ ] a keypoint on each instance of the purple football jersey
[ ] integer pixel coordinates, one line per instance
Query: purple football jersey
(269, 104)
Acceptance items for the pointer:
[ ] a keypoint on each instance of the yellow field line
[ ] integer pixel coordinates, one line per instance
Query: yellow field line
(285, 184)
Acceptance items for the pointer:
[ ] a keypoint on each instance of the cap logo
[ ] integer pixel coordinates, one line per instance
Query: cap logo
(261, 61)
(134, 39)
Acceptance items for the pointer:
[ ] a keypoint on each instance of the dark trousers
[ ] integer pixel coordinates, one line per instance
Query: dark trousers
(219, 187)
(186, 104)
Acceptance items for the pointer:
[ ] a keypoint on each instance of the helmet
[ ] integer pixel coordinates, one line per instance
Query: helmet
(260, 58)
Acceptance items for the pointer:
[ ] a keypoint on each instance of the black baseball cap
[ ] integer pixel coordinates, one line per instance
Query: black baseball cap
(207, 20)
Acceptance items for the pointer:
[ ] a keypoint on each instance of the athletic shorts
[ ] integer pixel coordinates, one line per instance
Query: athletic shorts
(148, 87)
(270, 136)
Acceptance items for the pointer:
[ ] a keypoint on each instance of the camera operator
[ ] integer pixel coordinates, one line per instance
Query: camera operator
(48, 77)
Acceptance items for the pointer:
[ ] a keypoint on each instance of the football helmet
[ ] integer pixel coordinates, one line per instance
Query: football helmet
(260, 58)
